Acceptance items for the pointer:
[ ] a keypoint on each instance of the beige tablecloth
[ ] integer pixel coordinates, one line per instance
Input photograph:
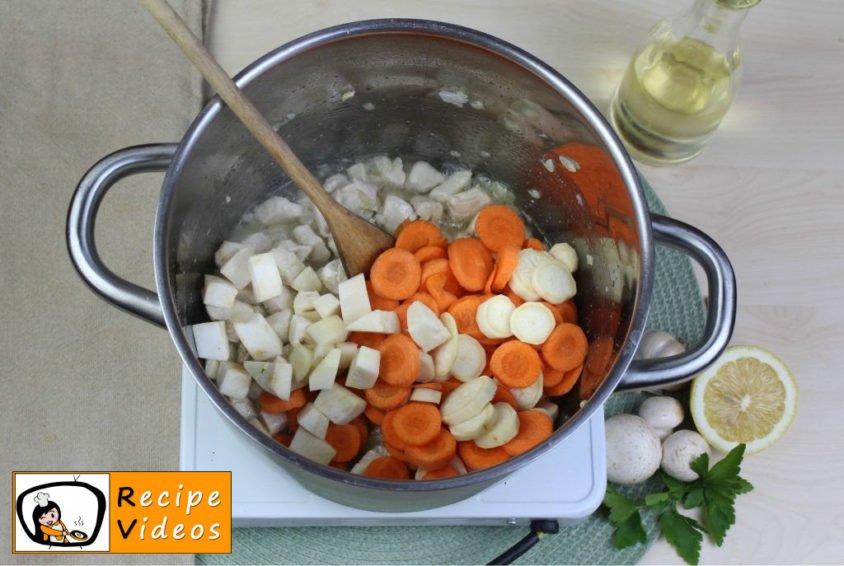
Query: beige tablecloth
(80, 379)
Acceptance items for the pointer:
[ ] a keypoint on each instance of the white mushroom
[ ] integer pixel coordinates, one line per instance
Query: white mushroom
(663, 414)
(633, 449)
(678, 452)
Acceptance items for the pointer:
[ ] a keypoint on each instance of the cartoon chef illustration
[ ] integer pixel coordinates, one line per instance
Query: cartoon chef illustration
(47, 519)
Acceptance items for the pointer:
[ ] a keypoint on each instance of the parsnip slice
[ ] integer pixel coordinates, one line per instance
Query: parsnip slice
(330, 330)
(354, 300)
(386, 322)
(493, 317)
(426, 395)
(212, 342)
(313, 420)
(258, 337)
(476, 426)
(470, 360)
(553, 282)
(363, 372)
(425, 327)
(266, 280)
(566, 254)
(314, 448)
(467, 400)
(325, 372)
(504, 428)
(532, 323)
(528, 397)
(446, 353)
(340, 405)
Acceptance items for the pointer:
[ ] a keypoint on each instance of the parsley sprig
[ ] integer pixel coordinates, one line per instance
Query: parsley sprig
(714, 491)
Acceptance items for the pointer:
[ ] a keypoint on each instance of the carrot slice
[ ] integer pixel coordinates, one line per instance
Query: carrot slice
(388, 431)
(395, 274)
(369, 339)
(377, 302)
(565, 384)
(430, 252)
(362, 427)
(416, 424)
(374, 414)
(283, 438)
(345, 439)
(441, 473)
(534, 427)
(435, 454)
(400, 363)
(434, 267)
(395, 451)
(339, 465)
(477, 458)
(568, 311)
(418, 234)
(386, 396)
(435, 285)
(272, 404)
(498, 225)
(515, 364)
(566, 347)
(449, 386)
(293, 420)
(506, 259)
(551, 376)
(470, 262)
(387, 468)
(503, 395)
(465, 310)
(533, 244)
(517, 300)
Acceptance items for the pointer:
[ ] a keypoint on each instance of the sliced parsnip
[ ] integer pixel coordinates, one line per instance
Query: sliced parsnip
(330, 330)
(280, 322)
(259, 371)
(236, 268)
(427, 369)
(211, 369)
(521, 281)
(553, 282)
(467, 400)
(532, 323)
(446, 353)
(528, 397)
(218, 292)
(476, 426)
(307, 280)
(325, 372)
(549, 408)
(303, 302)
(281, 380)
(265, 278)
(504, 428)
(212, 342)
(313, 420)
(426, 329)
(347, 354)
(493, 317)
(470, 360)
(273, 422)
(426, 395)
(565, 253)
(312, 447)
(301, 358)
(370, 455)
(258, 337)
(386, 322)
(226, 250)
(354, 300)
(288, 263)
(281, 302)
(327, 305)
(340, 405)
(296, 329)
(363, 372)
(233, 381)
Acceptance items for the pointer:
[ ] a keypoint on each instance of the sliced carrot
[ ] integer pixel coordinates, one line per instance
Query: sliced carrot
(339, 465)
(597, 365)
(515, 364)
(362, 427)
(435, 285)
(369, 339)
(477, 458)
(487, 290)
(433, 267)
(565, 384)
(395, 274)
(465, 310)
(533, 244)
(395, 451)
(551, 376)
(418, 234)
(534, 427)
(568, 311)
(386, 396)
(441, 473)
(283, 438)
(272, 404)
(374, 414)
(426, 298)
(498, 225)
(449, 386)
(430, 252)
(399, 360)
(506, 259)
(293, 420)
(387, 468)
(388, 431)
(517, 300)
(378, 302)
(435, 454)
(503, 395)
(345, 439)
(566, 347)
(470, 262)
(416, 423)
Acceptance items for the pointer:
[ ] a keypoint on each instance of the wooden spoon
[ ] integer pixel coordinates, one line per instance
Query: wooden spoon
(358, 241)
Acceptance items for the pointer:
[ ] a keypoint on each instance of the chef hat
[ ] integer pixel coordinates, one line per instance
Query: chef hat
(41, 499)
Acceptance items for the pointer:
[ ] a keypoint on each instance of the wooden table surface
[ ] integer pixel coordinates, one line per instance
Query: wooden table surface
(769, 189)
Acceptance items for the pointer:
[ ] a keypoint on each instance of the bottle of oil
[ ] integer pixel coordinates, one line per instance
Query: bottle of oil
(680, 82)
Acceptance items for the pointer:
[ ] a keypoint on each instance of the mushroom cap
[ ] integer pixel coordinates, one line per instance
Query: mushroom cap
(633, 449)
(678, 452)
(662, 413)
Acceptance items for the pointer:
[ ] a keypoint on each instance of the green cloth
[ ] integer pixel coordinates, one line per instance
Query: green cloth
(677, 308)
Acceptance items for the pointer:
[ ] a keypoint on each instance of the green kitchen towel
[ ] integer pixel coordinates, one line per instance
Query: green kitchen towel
(677, 308)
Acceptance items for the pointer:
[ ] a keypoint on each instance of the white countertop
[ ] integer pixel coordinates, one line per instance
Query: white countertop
(769, 189)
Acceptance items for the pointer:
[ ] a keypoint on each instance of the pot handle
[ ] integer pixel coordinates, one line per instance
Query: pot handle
(720, 315)
(81, 218)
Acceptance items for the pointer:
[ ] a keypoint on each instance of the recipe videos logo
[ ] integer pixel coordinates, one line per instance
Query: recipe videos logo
(121, 512)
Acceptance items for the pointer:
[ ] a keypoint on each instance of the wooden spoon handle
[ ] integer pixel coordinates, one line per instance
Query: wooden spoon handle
(240, 105)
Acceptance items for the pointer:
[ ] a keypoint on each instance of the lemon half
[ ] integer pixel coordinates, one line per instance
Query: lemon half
(747, 396)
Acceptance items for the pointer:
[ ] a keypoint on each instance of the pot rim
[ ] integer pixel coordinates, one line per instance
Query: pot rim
(442, 31)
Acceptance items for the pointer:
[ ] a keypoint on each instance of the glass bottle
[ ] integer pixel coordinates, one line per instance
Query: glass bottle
(681, 82)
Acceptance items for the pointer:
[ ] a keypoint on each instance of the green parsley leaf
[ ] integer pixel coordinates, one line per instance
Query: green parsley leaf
(728, 467)
(683, 533)
(624, 515)
(620, 507)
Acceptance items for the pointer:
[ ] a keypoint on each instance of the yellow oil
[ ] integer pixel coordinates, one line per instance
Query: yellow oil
(672, 98)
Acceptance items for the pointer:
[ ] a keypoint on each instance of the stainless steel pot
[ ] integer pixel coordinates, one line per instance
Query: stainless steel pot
(410, 78)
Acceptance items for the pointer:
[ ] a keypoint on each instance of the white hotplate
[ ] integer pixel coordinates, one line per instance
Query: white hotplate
(566, 483)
